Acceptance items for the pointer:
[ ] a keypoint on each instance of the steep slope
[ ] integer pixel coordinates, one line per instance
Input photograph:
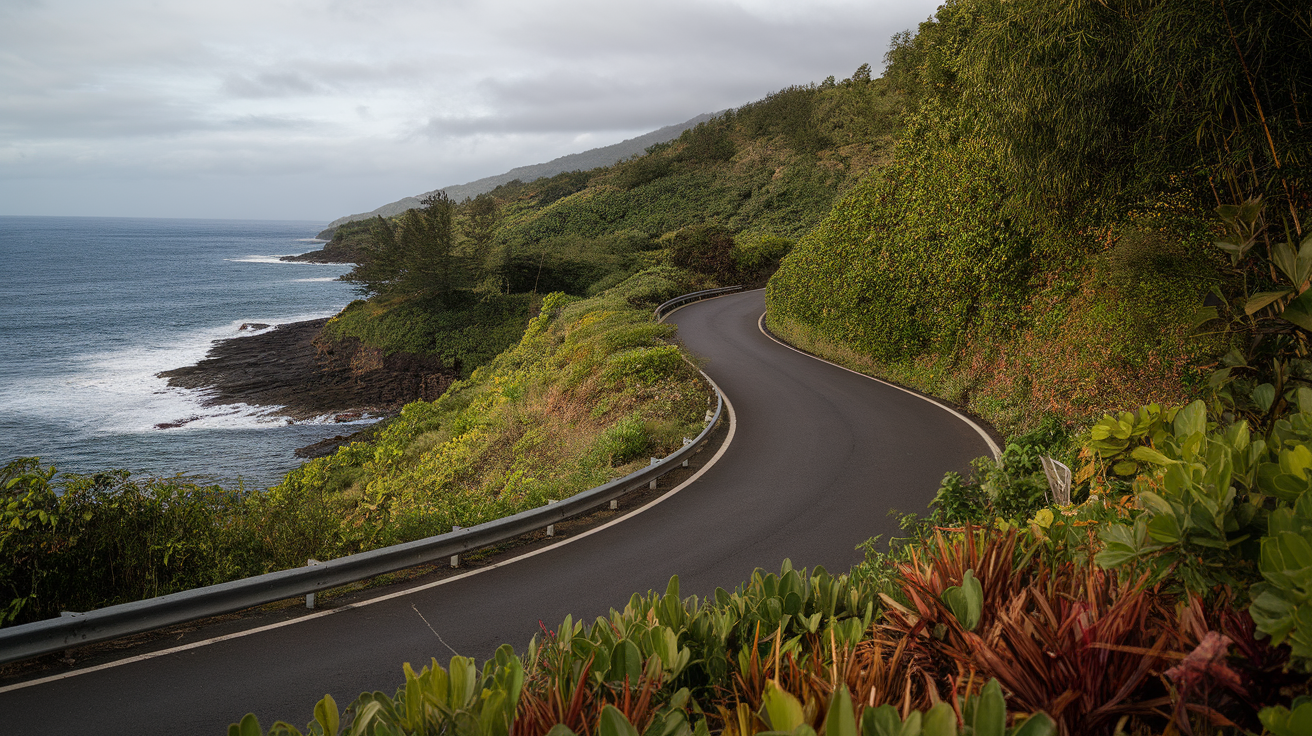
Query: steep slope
(591, 159)
(1041, 241)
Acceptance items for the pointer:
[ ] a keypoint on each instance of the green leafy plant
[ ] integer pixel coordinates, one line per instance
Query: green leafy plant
(1291, 721)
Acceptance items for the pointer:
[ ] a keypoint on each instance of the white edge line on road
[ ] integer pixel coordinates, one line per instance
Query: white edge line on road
(993, 446)
(733, 426)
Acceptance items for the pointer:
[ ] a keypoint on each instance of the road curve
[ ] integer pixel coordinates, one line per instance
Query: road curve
(819, 457)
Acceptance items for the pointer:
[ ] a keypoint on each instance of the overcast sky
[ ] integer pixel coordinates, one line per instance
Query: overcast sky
(300, 109)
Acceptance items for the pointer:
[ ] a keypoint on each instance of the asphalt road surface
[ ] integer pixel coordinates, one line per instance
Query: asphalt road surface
(818, 458)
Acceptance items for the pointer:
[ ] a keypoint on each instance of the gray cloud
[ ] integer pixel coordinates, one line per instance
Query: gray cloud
(270, 84)
(363, 101)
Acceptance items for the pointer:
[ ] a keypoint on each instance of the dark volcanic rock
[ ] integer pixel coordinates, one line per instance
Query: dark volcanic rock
(289, 366)
(330, 253)
(323, 448)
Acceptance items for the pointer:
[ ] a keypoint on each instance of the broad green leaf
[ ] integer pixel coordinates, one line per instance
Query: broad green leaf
(1203, 316)
(1281, 721)
(1263, 299)
(1164, 529)
(1264, 396)
(1192, 419)
(940, 720)
(782, 711)
(1150, 456)
(1156, 504)
(1119, 546)
(990, 712)
(613, 723)
(1303, 395)
(1296, 461)
(841, 719)
(249, 726)
(328, 716)
(966, 600)
(625, 661)
(1272, 614)
(1299, 311)
(881, 721)
(1125, 467)
(1038, 724)
(560, 729)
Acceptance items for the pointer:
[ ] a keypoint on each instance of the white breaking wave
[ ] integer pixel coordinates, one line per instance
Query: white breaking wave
(307, 281)
(260, 259)
(277, 259)
(118, 392)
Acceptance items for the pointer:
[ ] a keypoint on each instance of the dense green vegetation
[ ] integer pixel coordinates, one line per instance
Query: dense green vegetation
(1040, 240)
(464, 332)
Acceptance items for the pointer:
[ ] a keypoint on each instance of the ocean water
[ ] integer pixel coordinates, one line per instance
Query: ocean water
(92, 308)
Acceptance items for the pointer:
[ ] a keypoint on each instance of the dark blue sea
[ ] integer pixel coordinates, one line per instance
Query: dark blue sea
(92, 308)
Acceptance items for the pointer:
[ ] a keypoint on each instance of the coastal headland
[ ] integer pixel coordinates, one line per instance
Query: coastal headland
(295, 368)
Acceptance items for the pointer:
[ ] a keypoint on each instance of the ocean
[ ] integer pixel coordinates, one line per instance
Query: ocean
(92, 308)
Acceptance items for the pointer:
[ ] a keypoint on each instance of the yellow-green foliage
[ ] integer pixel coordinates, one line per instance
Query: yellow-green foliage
(465, 331)
(592, 386)
(773, 166)
(930, 273)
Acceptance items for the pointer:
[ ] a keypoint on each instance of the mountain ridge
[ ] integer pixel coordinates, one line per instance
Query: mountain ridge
(590, 159)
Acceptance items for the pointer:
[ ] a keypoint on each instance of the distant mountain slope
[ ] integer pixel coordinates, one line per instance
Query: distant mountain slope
(591, 159)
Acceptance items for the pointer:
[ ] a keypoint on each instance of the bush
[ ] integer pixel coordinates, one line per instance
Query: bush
(1012, 488)
(647, 365)
(704, 249)
(623, 442)
(756, 256)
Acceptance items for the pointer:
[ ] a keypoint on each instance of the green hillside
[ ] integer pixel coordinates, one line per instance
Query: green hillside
(1040, 242)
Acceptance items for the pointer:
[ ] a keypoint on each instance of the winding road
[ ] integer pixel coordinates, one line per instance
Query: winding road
(818, 457)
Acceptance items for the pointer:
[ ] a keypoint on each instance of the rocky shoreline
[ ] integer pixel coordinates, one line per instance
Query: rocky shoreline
(295, 368)
(331, 252)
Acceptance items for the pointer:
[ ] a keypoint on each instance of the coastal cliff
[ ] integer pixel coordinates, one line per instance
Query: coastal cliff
(295, 367)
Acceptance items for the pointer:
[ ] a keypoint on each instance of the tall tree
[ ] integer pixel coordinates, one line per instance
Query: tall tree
(416, 256)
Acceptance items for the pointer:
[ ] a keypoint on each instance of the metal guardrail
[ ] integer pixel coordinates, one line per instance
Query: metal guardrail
(112, 622)
(695, 296)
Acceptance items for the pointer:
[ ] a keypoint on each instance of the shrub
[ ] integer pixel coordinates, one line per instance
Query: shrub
(704, 249)
(648, 364)
(623, 442)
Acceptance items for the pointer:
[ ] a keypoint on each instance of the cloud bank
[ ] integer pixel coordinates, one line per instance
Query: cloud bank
(292, 109)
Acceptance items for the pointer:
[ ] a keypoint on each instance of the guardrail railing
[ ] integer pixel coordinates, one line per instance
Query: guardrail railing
(695, 296)
(112, 622)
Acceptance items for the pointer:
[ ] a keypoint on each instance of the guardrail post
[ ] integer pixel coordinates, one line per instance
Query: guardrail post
(614, 504)
(652, 484)
(68, 653)
(455, 559)
(686, 442)
(309, 597)
(551, 528)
